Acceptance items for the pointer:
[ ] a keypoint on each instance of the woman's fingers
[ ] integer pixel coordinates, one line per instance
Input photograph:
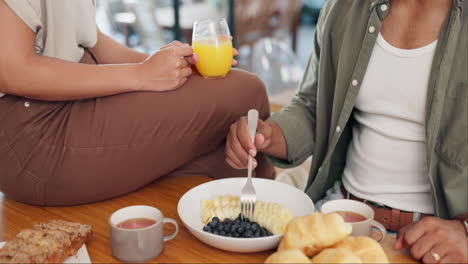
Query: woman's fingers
(182, 63)
(193, 59)
(172, 44)
(182, 51)
(185, 72)
(234, 53)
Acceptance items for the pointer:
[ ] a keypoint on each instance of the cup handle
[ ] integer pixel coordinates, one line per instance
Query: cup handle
(381, 229)
(174, 234)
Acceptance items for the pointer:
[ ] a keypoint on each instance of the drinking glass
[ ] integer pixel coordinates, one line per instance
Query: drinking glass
(212, 43)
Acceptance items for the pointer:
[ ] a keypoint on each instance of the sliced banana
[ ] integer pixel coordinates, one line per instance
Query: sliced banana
(272, 216)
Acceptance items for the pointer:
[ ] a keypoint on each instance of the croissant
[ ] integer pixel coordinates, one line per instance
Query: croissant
(288, 256)
(366, 248)
(50, 242)
(336, 255)
(315, 232)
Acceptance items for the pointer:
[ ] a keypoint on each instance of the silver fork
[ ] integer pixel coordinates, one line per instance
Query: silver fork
(248, 194)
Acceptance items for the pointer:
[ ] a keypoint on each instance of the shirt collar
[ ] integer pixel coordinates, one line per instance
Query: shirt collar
(378, 2)
(374, 3)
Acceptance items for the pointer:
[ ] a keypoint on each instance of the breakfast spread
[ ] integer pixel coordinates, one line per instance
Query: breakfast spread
(49, 242)
(272, 216)
(325, 238)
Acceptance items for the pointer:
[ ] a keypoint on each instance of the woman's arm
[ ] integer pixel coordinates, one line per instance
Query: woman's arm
(24, 73)
(109, 51)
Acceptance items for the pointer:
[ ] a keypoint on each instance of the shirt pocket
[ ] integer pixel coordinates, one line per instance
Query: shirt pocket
(452, 143)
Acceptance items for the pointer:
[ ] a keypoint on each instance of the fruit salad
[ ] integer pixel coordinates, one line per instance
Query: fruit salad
(270, 217)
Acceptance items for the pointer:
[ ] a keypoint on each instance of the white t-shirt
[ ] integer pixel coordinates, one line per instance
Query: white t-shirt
(61, 27)
(386, 160)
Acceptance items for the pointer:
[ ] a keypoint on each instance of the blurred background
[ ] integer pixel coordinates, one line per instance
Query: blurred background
(274, 37)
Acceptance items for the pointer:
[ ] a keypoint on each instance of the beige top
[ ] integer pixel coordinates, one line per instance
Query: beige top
(61, 27)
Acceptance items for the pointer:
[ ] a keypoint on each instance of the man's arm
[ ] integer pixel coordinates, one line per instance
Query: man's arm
(297, 120)
(287, 137)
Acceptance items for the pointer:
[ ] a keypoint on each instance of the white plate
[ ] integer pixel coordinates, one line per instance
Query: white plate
(189, 209)
(81, 257)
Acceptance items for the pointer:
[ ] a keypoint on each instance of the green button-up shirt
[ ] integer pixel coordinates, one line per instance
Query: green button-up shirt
(319, 119)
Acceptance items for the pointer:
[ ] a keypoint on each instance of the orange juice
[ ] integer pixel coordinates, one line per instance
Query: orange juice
(214, 56)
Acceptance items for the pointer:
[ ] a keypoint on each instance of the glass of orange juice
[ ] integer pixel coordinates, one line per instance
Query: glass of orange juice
(212, 43)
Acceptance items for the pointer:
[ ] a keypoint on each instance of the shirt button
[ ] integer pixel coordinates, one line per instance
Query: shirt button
(371, 29)
(355, 83)
(383, 7)
(27, 104)
(338, 129)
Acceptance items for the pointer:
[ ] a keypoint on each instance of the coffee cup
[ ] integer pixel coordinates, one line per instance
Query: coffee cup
(137, 233)
(359, 215)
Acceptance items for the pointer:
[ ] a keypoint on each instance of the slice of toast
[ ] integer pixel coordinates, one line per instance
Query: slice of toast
(49, 242)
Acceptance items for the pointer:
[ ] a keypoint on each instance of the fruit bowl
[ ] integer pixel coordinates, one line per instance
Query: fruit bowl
(189, 209)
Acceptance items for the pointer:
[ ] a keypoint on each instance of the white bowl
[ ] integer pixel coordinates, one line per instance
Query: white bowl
(189, 209)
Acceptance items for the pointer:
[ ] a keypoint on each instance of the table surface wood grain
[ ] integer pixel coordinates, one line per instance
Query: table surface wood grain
(163, 194)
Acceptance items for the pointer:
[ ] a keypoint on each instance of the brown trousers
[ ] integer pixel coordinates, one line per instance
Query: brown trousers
(68, 153)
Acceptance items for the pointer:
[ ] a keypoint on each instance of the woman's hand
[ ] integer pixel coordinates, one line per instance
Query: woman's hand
(235, 53)
(167, 69)
(434, 240)
(239, 146)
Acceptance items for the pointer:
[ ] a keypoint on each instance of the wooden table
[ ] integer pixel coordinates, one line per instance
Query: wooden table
(163, 194)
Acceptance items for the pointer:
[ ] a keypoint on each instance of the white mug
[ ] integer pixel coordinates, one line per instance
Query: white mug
(363, 228)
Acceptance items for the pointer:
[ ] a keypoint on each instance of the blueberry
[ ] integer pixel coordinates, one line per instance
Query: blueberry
(234, 228)
(235, 234)
(269, 233)
(240, 230)
(219, 227)
(227, 221)
(229, 235)
(238, 221)
(216, 233)
(262, 232)
(248, 226)
(212, 224)
(248, 234)
(207, 229)
(222, 233)
(215, 221)
(227, 229)
(254, 227)
(257, 233)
